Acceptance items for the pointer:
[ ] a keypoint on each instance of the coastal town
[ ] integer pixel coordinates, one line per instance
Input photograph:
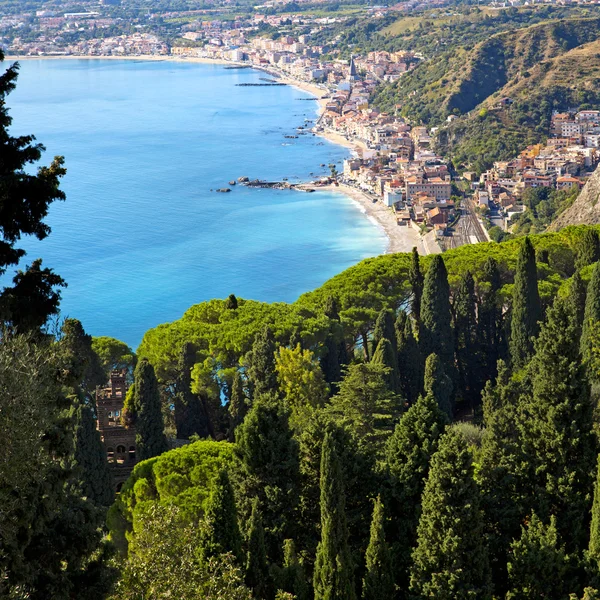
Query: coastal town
(394, 163)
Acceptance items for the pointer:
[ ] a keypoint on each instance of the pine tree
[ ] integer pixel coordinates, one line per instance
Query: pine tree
(231, 303)
(267, 463)
(467, 344)
(150, 438)
(290, 578)
(435, 331)
(408, 455)
(384, 355)
(261, 371)
(223, 532)
(238, 405)
(526, 307)
(438, 384)
(538, 567)
(384, 328)
(490, 322)
(556, 429)
(588, 249)
(577, 296)
(257, 567)
(410, 361)
(378, 582)
(591, 314)
(594, 545)
(415, 277)
(333, 567)
(190, 414)
(90, 457)
(25, 197)
(450, 560)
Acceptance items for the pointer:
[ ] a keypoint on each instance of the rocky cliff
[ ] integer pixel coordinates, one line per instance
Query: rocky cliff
(586, 209)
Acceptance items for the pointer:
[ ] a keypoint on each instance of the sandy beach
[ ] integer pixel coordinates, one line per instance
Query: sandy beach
(400, 238)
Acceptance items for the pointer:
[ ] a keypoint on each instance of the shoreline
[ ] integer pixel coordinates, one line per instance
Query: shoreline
(400, 239)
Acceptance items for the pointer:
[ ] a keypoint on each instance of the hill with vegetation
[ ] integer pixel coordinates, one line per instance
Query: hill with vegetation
(549, 66)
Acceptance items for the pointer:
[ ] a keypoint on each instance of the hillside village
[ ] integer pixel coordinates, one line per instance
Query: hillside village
(396, 162)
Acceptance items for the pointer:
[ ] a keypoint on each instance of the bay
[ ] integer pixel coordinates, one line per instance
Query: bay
(141, 237)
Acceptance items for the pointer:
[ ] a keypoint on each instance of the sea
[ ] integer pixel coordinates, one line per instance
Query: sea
(143, 235)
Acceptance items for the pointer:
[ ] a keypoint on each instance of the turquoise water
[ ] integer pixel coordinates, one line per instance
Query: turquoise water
(141, 237)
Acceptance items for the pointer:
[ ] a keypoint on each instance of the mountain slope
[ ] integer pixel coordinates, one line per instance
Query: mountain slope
(586, 209)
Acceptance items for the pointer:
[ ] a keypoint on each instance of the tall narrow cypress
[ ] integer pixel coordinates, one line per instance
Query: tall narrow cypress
(438, 384)
(594, 546)
(257, 567)
(451, 518)
(592, 313)
(490, 334)
(410, 362)
(150, 437)
(588, 249)
(384, 328)
(378, 582)
(261, 371)
(415, 277)
(466, 340)
(408, 455)
(238, 405)
(577, 296)
(223, 532)
(526, 307)
(333, 566)
(384, 355)
(556, 429)
(435, 333)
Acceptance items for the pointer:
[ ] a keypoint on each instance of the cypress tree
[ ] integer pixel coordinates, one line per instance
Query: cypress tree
(378, 582)
(591, 314)
(490, 323)
(150, 438)
(555, 423)
(330, 363)
(408, 455)
(435, 330)
(410, 361)
(223, 532)
(438, 384)
(291, 578)
(332, 312)
(588, 249)
(90, 456)
(190, 414)
(384, 355)
(261, 371)
(577, 296)
(238, 405)
(267, 461)
(594, 545)
(384, 328)
(467, 346)
(526, 307)
(333, 567)
(257, 567)
(415, 277)
(538, 568)
(450, 560)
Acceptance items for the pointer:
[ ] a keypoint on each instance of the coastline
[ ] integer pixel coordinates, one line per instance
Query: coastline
(400, 239)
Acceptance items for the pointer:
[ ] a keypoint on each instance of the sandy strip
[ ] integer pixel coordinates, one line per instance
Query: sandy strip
(401, 238)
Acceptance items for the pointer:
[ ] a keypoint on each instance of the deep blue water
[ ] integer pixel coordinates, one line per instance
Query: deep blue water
(141, 237)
